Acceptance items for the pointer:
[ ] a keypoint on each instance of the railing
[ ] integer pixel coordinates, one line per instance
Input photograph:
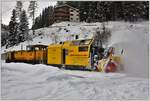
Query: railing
(61, 14)
(61, 10)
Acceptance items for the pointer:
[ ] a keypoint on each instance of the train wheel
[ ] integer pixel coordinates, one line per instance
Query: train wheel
(63, 66)
(7, 61)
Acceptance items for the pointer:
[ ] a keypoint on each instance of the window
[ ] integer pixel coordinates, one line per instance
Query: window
(75, 42)
(76, 37)
(66, 51)
(84, 48)
(71, 14)
(81, 42)
(84, 42)
(36, 48)
(61, 42)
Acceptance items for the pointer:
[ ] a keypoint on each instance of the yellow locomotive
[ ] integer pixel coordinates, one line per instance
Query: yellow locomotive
(77, 54)
(70, 53)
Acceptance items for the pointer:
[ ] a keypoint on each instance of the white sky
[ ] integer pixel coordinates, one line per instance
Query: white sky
(8, 6)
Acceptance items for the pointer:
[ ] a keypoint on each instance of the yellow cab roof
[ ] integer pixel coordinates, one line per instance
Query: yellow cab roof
(68, 43)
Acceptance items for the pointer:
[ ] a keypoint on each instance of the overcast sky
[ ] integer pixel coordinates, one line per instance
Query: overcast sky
(9, 5)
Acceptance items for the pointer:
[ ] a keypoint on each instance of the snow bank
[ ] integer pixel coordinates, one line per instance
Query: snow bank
(22, 81)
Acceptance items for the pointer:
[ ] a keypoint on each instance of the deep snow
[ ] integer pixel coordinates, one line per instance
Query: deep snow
(25, 81)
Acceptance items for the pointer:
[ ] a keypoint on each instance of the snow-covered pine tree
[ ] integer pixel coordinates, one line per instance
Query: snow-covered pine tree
(40, 21)
(23, 27)
(4, 34)
(133, 10)
(108, 10)
(18, 9)
(100, 11)
(84, 10)
(146, 10)
(90, 13)
(50, 15)
(36, 24)
(103, 11)
(18, 14)
(116, 11)
(31, 9)
(13, 26)
(45, 19)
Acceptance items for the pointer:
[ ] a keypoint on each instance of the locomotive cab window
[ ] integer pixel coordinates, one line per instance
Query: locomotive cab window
(81, 42)
(28, 48)
(76, 42)
(85, 42)
(37, 48)
(83, 49)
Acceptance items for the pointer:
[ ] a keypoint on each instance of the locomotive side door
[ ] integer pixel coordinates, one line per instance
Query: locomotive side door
(64, 56)
(12, 56)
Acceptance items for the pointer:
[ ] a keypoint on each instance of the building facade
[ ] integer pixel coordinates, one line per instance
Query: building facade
(66, 13)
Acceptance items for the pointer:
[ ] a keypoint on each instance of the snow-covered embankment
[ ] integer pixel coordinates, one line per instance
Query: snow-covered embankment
(25, 81)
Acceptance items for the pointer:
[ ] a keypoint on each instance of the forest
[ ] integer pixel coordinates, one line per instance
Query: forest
(99, 11)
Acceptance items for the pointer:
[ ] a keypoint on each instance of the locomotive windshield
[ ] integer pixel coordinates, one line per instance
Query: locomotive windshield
(83, 48)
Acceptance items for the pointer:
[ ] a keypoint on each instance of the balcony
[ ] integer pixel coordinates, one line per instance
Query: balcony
(61, 14)
(62, 17)
(61, 10)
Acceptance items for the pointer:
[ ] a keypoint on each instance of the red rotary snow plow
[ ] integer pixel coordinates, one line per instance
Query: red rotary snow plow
(110, 62)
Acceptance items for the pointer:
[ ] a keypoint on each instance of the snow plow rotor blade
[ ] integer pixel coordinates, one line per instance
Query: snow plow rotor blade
(111, 67)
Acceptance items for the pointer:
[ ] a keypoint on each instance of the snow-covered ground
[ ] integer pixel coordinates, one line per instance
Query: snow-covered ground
(25, 81)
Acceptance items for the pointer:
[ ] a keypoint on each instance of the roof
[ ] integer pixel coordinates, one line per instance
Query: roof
(67, 6)
(38, 45)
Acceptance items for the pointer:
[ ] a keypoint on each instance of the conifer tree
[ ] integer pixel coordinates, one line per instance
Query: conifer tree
(19, 6)
(23, 27)
(4, 34)
(31, 9)
(133, 10)
(13, 26)
(45, 19)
